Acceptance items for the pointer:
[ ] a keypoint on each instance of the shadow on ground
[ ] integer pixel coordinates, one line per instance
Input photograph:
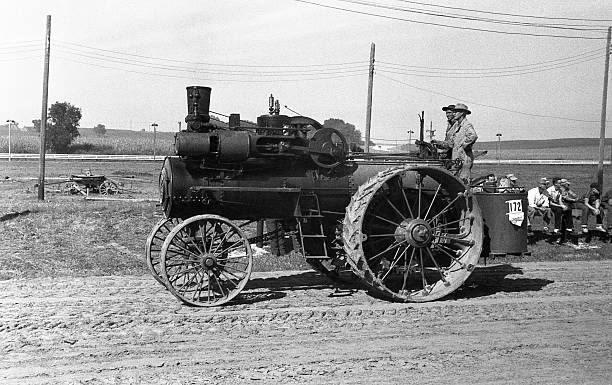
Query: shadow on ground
(484, 281)
(488, 280)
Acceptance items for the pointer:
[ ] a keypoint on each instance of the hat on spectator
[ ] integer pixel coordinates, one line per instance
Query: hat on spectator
(461, 108)
(564, 181)
(450, 107)
(511, 176)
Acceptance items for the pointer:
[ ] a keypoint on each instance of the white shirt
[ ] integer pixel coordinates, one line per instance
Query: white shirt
(554, 194)
(536, 198)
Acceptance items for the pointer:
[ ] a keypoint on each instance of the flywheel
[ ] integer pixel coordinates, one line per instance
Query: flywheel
(413, 233)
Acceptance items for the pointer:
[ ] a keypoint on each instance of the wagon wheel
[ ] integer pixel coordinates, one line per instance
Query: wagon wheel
(108, 188)
(413, 233)
(206, 260)
(70, 188)
(154, 245)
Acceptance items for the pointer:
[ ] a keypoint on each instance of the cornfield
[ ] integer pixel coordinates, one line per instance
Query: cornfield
(115, 142)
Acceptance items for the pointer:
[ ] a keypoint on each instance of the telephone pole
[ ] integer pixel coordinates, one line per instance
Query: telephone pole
(604, 102)
(43, 114)
(154, 125)
(10, 122)
(369, 103)
(498, 148)
(431, 131)
(410, 132)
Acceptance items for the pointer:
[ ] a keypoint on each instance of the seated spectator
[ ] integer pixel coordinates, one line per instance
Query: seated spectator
(507, 183)
(568, 199)
(554, 202)
(592, 202)
(538, 204)
(490, 185)
(606, 208)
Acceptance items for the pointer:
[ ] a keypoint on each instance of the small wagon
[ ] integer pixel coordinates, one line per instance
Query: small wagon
(90, 183)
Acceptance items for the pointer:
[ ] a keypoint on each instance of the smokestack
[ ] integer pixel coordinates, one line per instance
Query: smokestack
(198, 105)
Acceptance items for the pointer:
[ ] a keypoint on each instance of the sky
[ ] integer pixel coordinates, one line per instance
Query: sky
(126, 63)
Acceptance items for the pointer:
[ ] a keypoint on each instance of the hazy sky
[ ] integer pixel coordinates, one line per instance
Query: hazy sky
(126, 63)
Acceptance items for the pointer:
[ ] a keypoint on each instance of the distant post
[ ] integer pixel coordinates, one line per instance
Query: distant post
(154, 125)
(43, 114)
(604, 102)
(498, 148)
(10, 122)
(410, 132)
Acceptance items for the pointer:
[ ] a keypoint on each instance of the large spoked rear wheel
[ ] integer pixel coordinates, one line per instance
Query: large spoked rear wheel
(413, 233)
(206, 260)
(154, 244)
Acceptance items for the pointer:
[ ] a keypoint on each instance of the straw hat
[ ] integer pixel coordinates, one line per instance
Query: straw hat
(460, 107)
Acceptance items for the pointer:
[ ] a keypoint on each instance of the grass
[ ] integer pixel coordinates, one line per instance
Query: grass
(69, 236)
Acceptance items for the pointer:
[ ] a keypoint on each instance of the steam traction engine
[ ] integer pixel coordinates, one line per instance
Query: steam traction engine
(404, 225)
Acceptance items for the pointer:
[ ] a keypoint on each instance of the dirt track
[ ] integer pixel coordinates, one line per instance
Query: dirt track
(526, 323)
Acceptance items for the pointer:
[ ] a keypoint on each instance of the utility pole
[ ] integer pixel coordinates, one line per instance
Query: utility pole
(604, 102)
(154, 125)
(410, 132)
(498, 148)
(431, 131)
(369, 103)
(43, 114)
(179, 124)
(10, 122)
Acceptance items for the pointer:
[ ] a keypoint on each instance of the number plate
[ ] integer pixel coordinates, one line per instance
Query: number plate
(515, 213)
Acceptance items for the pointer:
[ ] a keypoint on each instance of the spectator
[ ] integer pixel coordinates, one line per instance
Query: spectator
(592, 202)
(606, 208)
(538, 204)
(507, 183)
(569, 199)
(555, 204)
(490, 184)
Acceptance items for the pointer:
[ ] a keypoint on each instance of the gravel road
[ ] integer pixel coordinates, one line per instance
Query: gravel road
(521, 323)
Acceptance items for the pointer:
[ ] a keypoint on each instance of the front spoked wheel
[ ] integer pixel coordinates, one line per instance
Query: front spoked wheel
(154, 244)
(206, 260)
(413, 233)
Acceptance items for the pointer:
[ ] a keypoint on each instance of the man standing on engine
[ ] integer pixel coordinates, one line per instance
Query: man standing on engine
(463, 140)
(446, 145)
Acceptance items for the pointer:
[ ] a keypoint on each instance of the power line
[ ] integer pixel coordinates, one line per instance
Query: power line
(428, 12)
(487, 105)
(448, 25)
(485, 74)
(275, 72)
(208, 79)
(580, 55)
(213, 64)
(506, 14)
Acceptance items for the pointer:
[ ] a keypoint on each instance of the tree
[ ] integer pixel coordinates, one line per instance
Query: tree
(100, 130)
(36, 126)
(64, 125)
(351, 134)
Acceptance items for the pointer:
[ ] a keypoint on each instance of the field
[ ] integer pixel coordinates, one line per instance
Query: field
(127, 142)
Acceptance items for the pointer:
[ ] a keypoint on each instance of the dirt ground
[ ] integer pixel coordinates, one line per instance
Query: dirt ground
(522, 323)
